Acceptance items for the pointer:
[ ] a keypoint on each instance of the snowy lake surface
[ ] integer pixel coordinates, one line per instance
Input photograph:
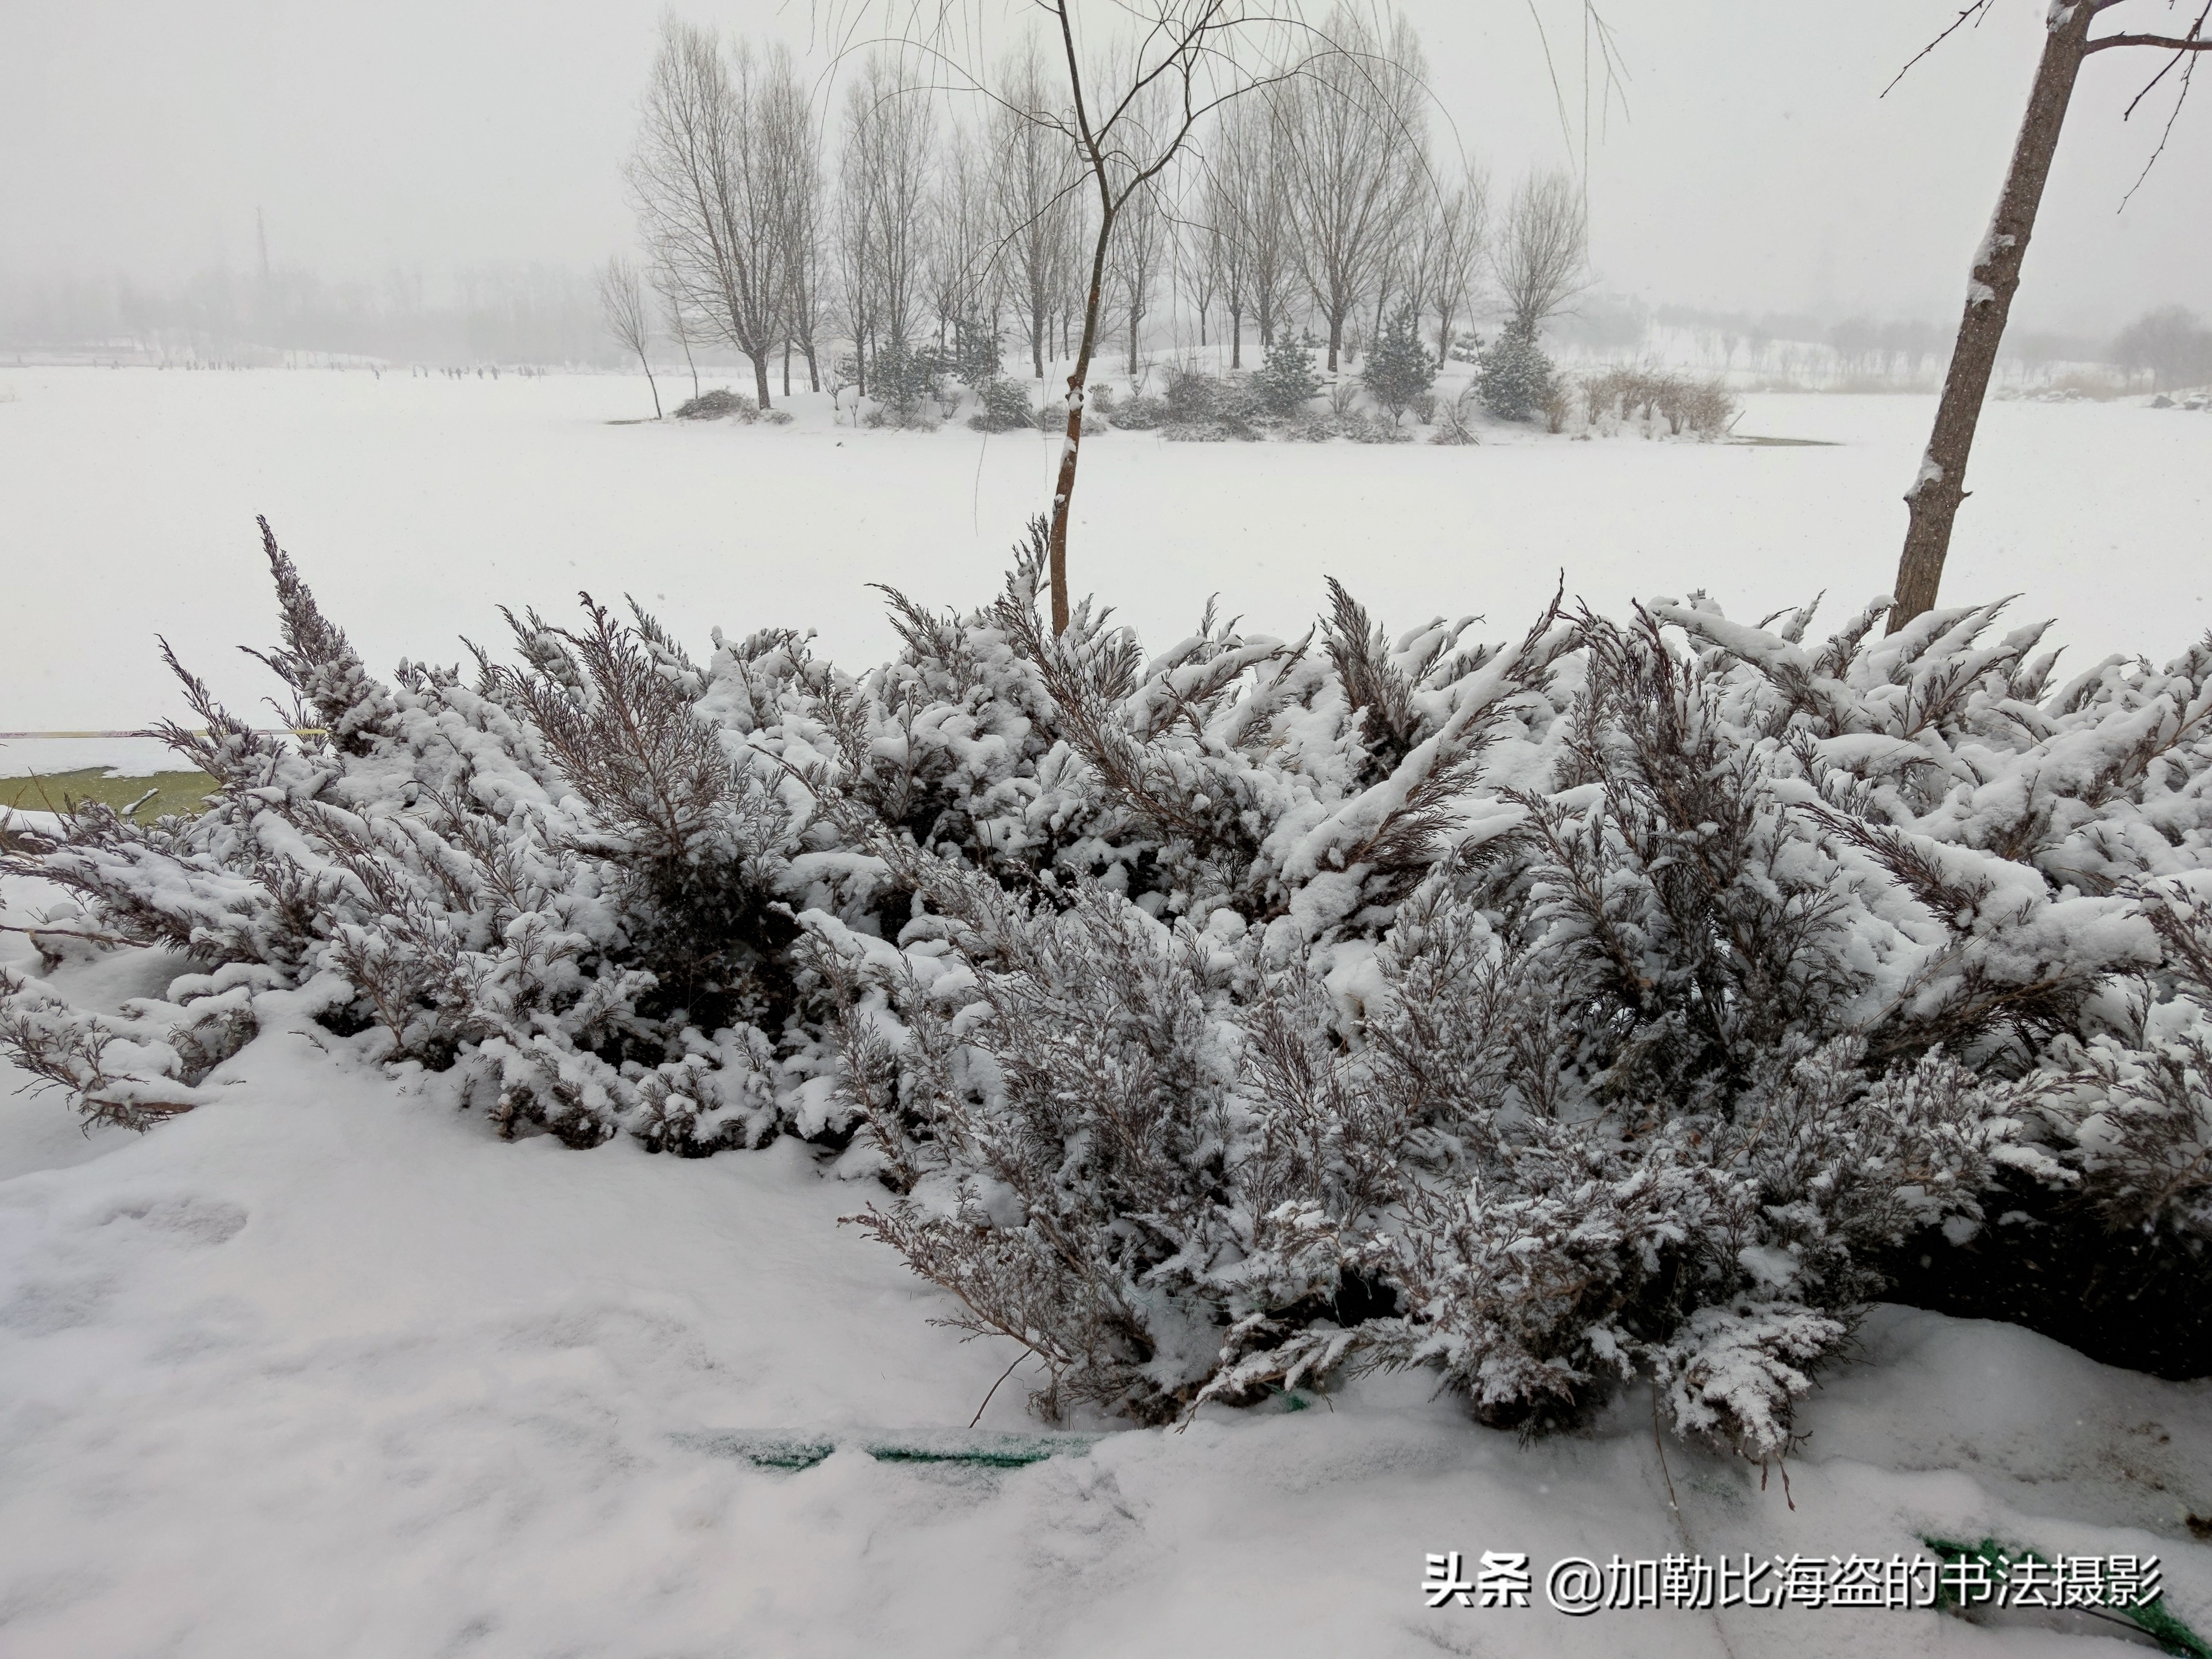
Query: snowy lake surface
(418, 506)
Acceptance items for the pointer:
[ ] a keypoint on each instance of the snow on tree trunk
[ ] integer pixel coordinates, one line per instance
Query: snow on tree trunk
(1932, 500)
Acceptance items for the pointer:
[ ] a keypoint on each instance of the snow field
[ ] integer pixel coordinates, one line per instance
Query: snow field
(327, 1367)
(416, 507)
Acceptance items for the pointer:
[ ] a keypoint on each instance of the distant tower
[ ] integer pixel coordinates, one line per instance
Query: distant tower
(261, 235)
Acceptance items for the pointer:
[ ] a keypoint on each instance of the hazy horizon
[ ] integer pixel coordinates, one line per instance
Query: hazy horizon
(1757, 168)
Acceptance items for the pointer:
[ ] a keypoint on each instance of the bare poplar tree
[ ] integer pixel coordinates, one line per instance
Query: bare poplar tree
(1266, 230)
(792, 142)
(709, 185)
(884, 185)
(1135, 259)
(1195, 252)
(1035, 201)
(1932, 503)
(1218, 229)
(1347, 132)
(622, 303)
(962, 259)
(1542, 258)
(1449, 260)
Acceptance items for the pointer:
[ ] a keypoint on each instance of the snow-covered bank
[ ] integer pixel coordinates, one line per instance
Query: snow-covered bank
(325, 1367)
(419, 505)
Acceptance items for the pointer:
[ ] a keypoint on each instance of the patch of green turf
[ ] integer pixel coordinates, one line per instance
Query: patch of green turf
(174, 791)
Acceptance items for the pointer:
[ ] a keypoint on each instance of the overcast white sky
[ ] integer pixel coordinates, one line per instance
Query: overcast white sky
(1757, 167)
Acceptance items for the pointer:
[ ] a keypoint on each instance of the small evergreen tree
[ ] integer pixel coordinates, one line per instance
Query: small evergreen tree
(903, 375)
(975, 351)
(1286, 380)
(1517, 376)
(1001, 405)
(1400, 370)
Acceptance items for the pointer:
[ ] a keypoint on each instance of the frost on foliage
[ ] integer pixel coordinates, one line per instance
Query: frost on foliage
(1595, 1005)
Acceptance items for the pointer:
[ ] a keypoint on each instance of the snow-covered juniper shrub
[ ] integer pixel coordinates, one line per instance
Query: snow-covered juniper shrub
(1142, 414)
(1612, 1003)
(459, 872)
(1209, 409)
(719, 405)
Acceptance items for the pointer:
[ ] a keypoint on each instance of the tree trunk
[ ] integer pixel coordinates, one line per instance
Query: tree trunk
(787, 366)
(813, 367)
(654, 389)
(760, 374)
(1933, 501)
(1064, 490)
(1335, 338)
(1236, 338)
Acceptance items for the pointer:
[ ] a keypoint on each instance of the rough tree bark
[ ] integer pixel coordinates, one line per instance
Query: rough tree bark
(1932, 503)
(1932, 500)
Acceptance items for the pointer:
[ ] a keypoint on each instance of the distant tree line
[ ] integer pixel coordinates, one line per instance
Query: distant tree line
(542, 314)
(846, 241)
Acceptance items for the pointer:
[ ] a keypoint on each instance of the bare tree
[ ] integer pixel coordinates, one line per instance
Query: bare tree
(1449, 252)
(793, 141)
(1542, 255)
(1197, 57)
(884, 186)
(1194, 255)
(1348, 130)
(1136, 258)
(1035, 200)
(963, 252)
(683, 325)
(1260, 183)
(1214, 234)
(709, 184)
(2171, 344)
(1932, 503)
(621, 302)
(1192, 58)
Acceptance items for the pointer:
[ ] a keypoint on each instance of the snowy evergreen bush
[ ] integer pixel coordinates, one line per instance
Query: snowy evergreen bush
(1400, 370)
(977, 348)
(1142, 414)
(720, 403)
(1002, 405)
(1609, 1004)
(904, 379)
(1286, 381)
(1207, 409)
(1516, 377)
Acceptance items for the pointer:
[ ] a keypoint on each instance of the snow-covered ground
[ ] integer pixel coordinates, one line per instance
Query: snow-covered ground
(327, 1369)
(416, 507)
